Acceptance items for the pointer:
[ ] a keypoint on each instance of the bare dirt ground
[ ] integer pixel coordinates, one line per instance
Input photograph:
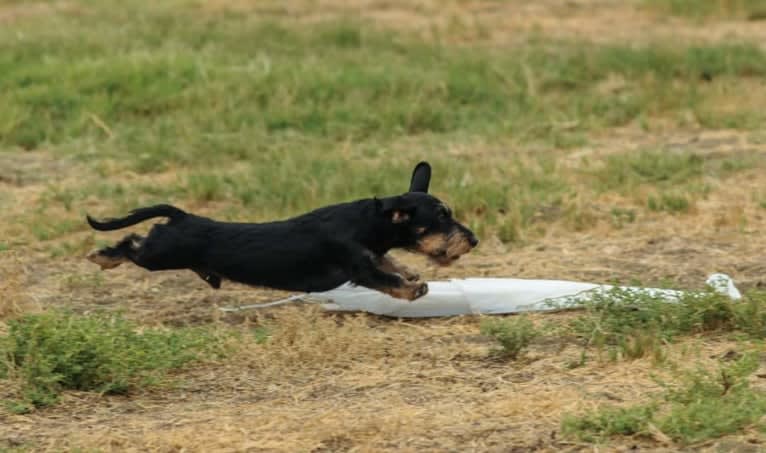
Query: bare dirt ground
(363, 383)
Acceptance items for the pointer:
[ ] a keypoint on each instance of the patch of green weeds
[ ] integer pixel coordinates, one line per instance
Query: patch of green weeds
(706, 405)
(669, 202)
(261, 334)
(622, 216)
(513, 334)
(629, 324)
(603, 423)
(56, 351)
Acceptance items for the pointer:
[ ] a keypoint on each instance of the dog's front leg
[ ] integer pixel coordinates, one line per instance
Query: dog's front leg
(394, 285)
(363, 270)
(387, 263)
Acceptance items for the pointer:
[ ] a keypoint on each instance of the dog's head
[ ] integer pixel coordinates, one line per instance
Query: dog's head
(427, 223)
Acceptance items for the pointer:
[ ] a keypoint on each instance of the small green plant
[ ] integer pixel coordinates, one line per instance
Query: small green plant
(632, 324)
(513, 334)
(627, 324)
(710, 404)
(601, 424)
(621, 216)
(707, 404)
(750, 314)
(668, 202)
(261, 334)
(56, 351)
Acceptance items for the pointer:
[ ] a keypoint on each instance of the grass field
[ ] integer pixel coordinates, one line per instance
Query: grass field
(596, 140)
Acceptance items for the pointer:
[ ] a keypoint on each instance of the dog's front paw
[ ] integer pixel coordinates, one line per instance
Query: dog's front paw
(409, 290)
(421, 289)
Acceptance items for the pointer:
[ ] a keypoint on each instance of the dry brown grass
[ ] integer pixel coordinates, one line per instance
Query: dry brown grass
(362, 383)
(14, 299)
(329, 383)
(26, 9)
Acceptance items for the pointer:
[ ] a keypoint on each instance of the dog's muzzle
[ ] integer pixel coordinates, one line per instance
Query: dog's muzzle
(452, 247)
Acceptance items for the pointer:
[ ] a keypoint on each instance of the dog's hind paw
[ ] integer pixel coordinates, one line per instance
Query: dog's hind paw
(103, 260)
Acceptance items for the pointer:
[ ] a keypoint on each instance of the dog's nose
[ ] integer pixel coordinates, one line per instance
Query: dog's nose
(473, 241)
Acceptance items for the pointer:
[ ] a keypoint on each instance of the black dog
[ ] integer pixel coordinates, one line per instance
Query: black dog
(317, 251)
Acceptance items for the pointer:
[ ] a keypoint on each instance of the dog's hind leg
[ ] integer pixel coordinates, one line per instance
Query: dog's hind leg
(211, 279)
(111, 257)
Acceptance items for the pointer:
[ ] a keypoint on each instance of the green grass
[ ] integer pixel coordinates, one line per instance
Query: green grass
(56, 351)
(623, 324)
(705, 405)
(512, 334)
(628, 324)
(265, 114)
(609, 422)
(676, 180)
(705, 9)
(208, 86)
(626, 172)
(673, 203)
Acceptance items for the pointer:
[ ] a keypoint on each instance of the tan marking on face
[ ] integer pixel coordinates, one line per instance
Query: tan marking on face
(457, 244)
(444, 249)
(432, 244)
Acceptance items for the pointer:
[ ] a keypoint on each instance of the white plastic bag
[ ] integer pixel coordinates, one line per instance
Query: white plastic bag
(490, 296)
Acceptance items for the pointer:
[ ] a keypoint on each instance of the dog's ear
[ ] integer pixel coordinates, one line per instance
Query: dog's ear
(421, 177)
(397, 209)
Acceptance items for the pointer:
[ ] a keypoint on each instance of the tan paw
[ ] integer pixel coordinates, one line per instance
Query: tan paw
(408, 291)
(106, 262)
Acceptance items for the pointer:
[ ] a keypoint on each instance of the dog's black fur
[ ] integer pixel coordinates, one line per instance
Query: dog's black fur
(317, 251)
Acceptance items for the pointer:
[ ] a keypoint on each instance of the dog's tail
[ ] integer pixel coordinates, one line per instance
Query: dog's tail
(136, 216)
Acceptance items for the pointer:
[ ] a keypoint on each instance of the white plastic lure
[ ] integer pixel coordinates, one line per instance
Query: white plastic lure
(483, 296)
